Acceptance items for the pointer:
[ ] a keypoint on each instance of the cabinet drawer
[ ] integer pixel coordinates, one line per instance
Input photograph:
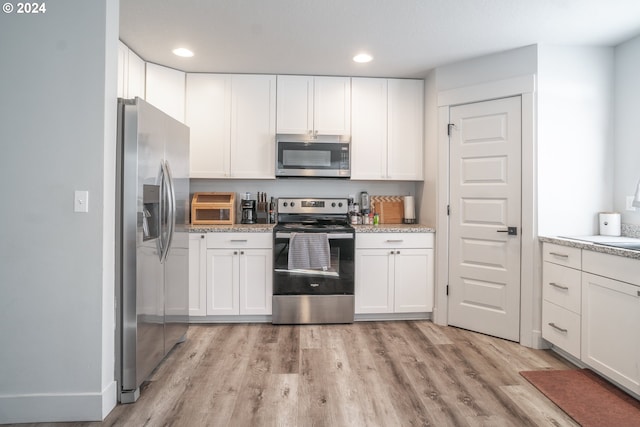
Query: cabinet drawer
(562, 255)
(561, 327)
(239, 240)
(615, 267)
(562, 286)
(394, 240)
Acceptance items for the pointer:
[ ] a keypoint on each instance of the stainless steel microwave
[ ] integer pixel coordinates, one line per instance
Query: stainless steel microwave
(326, 156)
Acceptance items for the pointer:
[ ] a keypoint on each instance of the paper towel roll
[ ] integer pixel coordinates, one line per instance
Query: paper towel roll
(609, 223)
(409, 210)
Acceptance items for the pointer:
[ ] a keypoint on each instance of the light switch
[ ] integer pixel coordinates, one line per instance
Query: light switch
(630, 204)
(81, 201)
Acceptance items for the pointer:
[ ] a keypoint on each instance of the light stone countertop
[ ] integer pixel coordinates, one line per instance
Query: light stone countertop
(235, 228)
(596, 247)
(268, 228)
(394, 228)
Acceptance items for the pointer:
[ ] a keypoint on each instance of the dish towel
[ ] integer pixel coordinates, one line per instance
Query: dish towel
(309, 250)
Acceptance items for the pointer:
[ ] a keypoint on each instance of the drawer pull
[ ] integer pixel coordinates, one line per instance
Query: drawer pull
(239, 240)
(558, 328)
(555, 285)
(560, 255)
(395, 241)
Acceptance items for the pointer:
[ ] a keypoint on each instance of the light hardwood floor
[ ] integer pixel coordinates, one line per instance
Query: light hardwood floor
(409, 373)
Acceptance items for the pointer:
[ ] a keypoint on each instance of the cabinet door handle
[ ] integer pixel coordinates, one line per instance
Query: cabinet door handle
(202, 236)
(555, 285)
(560, 255)
(241, 252)
(392, 252)
(235, 252)
(556, 327)
(395, 241)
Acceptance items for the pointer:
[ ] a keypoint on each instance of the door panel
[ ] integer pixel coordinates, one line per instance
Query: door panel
(485, 179)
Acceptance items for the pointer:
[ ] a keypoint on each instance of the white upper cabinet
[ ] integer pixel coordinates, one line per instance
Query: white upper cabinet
(165, 89)
(387, 129)
(131, 73)
(232, 121)
(369, 128)
(253, 122)
(208, 115)
(314, 105)
(405, 127)
(136, 76)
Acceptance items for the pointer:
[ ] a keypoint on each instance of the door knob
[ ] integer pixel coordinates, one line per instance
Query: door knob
(511, 231)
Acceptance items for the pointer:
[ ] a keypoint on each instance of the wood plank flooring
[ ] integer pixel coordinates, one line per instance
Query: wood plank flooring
(405, 373)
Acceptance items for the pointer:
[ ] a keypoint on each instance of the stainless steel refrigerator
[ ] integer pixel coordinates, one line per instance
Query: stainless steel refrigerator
(152, 242)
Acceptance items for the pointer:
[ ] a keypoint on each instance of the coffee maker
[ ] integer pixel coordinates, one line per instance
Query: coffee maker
(248, 210)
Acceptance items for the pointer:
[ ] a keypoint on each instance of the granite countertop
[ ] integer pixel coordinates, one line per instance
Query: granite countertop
(394, 228)
(235, 228)
(268, 228)
(596, 247)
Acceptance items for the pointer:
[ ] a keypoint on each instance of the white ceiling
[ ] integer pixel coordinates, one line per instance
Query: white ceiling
(406, 37)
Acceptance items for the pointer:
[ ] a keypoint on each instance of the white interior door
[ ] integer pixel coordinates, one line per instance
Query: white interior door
(485, 201)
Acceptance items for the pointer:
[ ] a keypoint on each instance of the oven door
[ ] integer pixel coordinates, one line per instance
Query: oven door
(314, 159)
(338, 279)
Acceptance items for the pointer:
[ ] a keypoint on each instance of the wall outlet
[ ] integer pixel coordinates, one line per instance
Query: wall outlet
(630, 206)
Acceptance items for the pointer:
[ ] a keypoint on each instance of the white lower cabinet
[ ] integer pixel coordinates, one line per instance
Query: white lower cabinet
(197, 274)
(611, 316)
(602, 330)
(394, 273)
(239, 273)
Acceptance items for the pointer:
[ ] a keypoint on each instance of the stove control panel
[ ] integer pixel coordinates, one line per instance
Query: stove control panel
(297, 205)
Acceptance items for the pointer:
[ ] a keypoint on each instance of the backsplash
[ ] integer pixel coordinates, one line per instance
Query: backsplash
(631, 230)
(293, 187)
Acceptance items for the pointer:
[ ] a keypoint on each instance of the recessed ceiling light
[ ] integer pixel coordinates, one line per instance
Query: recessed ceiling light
(181, 51)
(363, 57)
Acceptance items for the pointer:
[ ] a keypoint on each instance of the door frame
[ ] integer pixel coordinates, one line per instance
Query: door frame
(530, 294)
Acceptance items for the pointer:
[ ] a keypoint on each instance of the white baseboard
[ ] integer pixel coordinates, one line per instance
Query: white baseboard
(63, 407)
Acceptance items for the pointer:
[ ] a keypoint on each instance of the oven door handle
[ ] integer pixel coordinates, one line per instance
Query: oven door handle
(330, 236)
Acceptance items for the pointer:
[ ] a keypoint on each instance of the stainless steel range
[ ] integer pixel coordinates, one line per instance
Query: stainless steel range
(313, 253)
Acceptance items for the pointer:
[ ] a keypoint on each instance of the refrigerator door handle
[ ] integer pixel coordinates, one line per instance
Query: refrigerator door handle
(164, 214)
(170, 203)
(171, 195)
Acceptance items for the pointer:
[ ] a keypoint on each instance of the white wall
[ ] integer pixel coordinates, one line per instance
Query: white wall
(627, 127)
(575, 138)
(56, 266)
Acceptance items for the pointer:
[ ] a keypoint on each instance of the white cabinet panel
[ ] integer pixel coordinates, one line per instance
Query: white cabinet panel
(394, 279)
(232, 121)
(610, 338)
(253, 120)
(239, 273)
(387, 129)
(561, 327)
(256, 278)
(136, 76)
(197, 275)
(562, 255)
(223, 281)
(413, 280)
(208, 115)
(368, 128)
(405, 127)
(165, 89)
(314, 105)
(374, 281)
(562, 286)
(295, 104)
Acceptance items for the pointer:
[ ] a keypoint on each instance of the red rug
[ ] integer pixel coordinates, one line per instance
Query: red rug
(590, 400)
